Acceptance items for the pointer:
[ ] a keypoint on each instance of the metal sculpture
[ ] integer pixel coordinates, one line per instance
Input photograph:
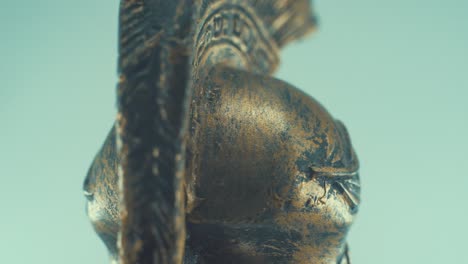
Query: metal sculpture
(219, 162)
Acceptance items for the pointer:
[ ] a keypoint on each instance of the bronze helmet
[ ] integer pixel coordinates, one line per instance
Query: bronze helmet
(266, 174)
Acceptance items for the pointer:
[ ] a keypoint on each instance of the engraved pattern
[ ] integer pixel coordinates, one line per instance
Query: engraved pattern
(237, 27)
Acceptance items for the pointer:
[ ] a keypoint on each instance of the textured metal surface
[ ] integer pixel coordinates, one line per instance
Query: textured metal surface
(275, 177)
(153, 96)
(249, 170)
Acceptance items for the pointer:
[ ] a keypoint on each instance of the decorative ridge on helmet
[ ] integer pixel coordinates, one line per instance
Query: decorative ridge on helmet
(286, 20)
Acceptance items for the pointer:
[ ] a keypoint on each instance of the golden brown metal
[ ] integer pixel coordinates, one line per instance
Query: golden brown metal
(269, 175)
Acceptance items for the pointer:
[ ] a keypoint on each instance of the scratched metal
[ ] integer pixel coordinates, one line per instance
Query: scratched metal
(269, 177)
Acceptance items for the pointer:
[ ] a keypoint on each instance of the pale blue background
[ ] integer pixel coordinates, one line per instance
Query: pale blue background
(395, 71)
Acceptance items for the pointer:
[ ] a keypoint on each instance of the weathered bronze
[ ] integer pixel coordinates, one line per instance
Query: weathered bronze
(218, 162)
